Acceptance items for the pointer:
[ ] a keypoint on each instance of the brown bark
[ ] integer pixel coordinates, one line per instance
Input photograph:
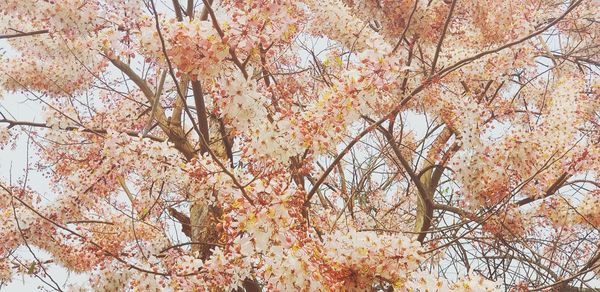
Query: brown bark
(429, 179)
(203, 220)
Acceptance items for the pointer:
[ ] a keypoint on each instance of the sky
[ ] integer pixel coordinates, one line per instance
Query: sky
(13, 164)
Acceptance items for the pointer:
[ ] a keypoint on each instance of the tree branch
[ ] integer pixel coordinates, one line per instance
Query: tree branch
(13, 123)
(23, 34)
(441, 41)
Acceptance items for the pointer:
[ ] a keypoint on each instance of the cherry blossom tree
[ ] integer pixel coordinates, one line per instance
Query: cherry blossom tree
(335, 145)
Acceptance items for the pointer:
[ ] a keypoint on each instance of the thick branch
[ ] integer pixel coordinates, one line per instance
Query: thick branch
(201, 115)
(175, 134)
(184, 220)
